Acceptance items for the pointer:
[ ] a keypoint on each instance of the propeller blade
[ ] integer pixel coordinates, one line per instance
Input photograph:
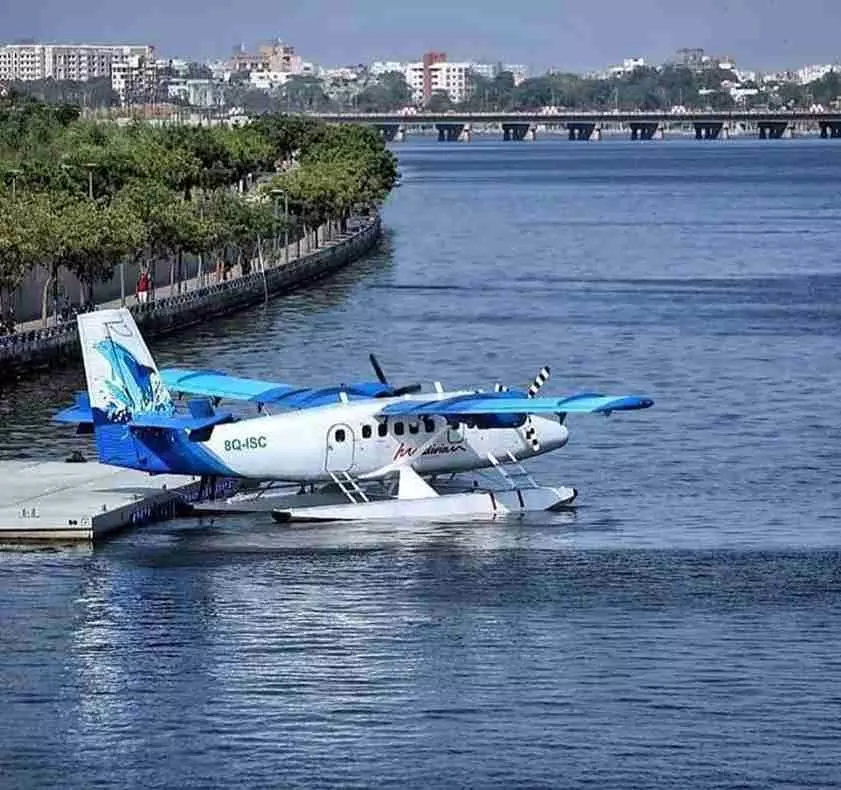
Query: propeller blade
(378, 370)
(407, 389)
(539, 380)
(393, 392)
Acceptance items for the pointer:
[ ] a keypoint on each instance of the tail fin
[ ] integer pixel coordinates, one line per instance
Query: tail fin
(123, 381)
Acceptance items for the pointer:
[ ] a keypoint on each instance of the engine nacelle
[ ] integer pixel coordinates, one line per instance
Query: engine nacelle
(490, 421)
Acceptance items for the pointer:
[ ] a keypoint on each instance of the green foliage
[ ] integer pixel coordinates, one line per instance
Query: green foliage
(96, 92)
(159, 192)
(439, 101)
(304, 94)
(390, 92)
(645, 88)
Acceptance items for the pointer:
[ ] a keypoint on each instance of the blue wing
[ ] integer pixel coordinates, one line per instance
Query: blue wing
(485, 404)
(216, 384)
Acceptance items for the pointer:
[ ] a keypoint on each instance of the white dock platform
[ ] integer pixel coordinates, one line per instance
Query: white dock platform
(57, 501)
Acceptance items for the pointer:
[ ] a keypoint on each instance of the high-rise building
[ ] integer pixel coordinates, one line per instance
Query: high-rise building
(429, 60)
(275, 57)
(77, 62)
(135, 80)
(436, 74)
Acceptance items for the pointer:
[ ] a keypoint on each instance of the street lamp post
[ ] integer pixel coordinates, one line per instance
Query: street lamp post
(14, 173)
(274, 194)
(89, 166)
(286, 227)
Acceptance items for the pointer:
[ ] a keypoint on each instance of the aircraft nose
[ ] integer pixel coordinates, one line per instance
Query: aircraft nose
(551, 433)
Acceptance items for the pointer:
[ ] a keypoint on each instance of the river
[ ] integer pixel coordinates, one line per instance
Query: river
(681, 629)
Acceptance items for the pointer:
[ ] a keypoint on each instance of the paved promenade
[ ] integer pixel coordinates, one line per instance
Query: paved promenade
(206, 279)
(175, 307)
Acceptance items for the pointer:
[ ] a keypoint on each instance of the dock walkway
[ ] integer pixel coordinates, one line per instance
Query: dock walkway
(55, 501)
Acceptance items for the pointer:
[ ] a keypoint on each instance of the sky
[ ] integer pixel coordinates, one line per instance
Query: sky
(574, 35)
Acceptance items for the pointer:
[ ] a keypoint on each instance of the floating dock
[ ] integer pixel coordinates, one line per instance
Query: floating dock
(59, 501)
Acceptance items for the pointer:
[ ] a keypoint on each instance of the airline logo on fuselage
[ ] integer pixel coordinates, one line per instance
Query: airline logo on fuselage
(404, 451)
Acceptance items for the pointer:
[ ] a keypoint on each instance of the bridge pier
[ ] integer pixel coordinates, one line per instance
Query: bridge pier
(830, 130)
(643, 131)
(449, 132)
(515, 131)
(388, 131)
(708, 130)
(581, 131)
(771, 130)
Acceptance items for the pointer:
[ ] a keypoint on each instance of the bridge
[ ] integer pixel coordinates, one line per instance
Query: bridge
(588, 125)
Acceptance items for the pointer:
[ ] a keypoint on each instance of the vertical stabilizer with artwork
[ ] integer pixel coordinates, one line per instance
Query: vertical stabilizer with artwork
(122, 378)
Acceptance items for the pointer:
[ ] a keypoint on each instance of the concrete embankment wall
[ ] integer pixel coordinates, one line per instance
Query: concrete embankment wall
(36, 349)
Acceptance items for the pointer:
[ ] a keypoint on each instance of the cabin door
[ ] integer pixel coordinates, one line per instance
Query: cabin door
(340, 442)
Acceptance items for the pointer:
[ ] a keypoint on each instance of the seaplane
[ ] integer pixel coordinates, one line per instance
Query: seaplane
(362, 451)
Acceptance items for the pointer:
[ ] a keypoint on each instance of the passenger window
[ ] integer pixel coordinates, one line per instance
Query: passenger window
(340, 435)
(456, 435)
(382, 429)
(366, 431)
(398, 428)
(429, 424)
(413, 427)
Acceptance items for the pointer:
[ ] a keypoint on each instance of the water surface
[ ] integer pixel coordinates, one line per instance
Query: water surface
(680, 628)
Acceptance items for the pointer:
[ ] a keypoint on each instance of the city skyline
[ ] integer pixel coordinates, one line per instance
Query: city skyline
(759, 33)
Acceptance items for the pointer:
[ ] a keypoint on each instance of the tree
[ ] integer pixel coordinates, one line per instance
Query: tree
(198, 71)
(390, 92)
(19, 243)
(96, 236)
(145, 181)
(305, 94)
(439, 101)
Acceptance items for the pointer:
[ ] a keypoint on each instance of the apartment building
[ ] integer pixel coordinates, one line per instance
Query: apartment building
(274, 56)
(452, 78)
(135, 79)
(78, 62)
(435, 74)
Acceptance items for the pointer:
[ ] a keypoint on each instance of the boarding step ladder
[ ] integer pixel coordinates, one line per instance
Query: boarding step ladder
(349, 487)
(512, 471)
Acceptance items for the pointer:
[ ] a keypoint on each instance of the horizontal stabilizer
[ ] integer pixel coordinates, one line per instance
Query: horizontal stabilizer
(77, 414)
(178, 422)
(201, 417)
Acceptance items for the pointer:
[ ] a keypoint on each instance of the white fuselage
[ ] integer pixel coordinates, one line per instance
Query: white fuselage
(315, 444)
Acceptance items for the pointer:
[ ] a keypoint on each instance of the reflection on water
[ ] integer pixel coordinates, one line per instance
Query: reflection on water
(679, 628)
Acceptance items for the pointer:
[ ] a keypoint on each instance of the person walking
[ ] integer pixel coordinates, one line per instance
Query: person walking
(143, 287)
